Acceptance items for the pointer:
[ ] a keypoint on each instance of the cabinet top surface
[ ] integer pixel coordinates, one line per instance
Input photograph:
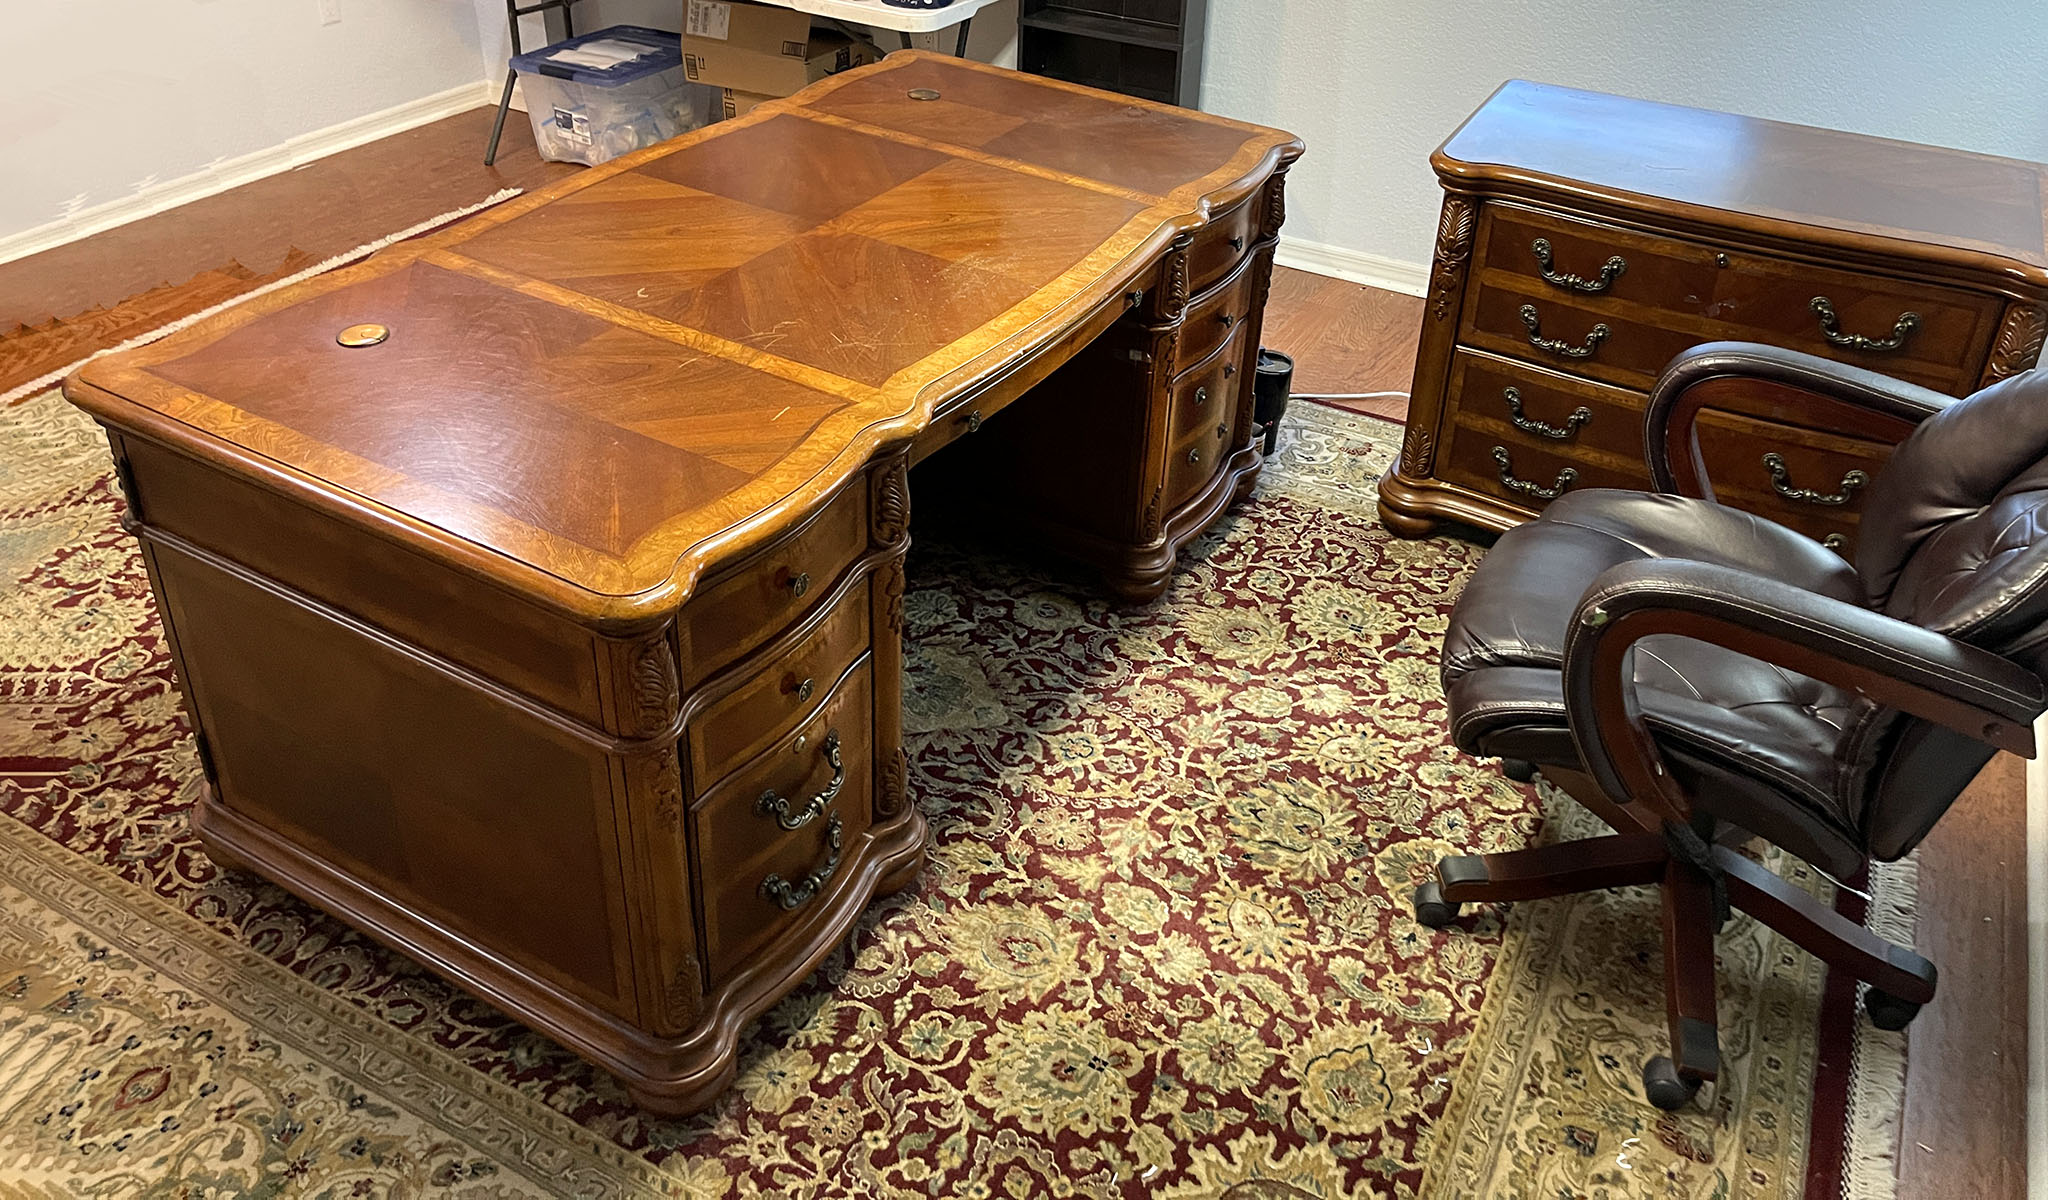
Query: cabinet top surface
(1766, 171)
(596, 390)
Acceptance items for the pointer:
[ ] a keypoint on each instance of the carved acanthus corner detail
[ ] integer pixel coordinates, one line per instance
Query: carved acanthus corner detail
(1453, 246)
(2019, 342)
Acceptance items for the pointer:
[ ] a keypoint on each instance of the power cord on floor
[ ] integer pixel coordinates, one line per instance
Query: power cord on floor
(1348, 396)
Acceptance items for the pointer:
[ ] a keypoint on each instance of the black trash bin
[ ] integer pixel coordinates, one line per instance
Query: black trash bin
(1270, 389)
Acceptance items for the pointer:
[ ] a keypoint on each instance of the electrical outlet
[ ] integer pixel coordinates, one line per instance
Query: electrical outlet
(330, 12)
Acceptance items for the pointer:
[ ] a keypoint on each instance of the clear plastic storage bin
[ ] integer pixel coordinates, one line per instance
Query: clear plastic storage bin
(608, 93)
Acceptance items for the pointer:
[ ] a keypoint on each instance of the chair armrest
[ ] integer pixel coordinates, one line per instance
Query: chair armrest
(1897, 664)
(1749, 377)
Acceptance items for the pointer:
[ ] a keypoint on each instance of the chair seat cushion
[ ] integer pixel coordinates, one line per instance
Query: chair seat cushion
(1750, 735)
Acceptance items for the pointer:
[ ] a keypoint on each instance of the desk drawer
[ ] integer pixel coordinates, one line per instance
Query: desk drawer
(1527, 470)
(1578, 273)
(1509, 399)
(753, 600)
(1221, 245)
(1208, 392)
(1196, 456)
(1810, 482)
(1214, 316)
(782, 693)
(766, 870)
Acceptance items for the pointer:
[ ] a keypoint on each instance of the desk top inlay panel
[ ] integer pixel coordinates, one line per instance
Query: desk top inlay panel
(617, 380)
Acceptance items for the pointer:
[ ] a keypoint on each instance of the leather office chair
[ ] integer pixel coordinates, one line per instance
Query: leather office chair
(1699, 676)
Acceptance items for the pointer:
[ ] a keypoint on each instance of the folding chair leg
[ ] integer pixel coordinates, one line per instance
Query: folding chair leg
(498, 126)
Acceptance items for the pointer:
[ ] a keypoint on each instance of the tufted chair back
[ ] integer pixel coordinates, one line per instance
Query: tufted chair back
(1954, 538)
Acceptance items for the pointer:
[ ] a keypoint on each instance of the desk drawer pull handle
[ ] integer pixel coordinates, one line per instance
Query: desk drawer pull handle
(1565, 478)
(789, 895)
(1836, 542)
(1579, 417)
(1227, 319)
(800, 583)
(1229, 369)
(1781, 483)
(1237, 243)
(804, 689)
(787, 815)
(1195, 455)
(974, 420)
(1222, 429)
(1594, 337)
(1201, 396)
(1831, 329)
(1609, 271)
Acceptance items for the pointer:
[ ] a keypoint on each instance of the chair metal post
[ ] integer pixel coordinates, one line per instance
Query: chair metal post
(512, 14)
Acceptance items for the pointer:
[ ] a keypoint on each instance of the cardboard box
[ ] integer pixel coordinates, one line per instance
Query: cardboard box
(739, 104)
(762, 50)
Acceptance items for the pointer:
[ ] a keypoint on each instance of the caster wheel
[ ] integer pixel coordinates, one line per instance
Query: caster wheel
(1664, 1087)
(1519, 770)
(1888, 1011)
(1432, 909)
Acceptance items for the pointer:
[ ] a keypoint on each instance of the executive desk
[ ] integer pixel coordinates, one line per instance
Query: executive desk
(556, 636)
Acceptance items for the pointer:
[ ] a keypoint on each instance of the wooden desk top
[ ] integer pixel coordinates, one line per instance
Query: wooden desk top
(592, 392)
(1976, 207)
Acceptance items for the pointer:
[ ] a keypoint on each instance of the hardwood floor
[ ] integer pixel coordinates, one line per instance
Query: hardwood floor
(61, 305)
(1965, 1103)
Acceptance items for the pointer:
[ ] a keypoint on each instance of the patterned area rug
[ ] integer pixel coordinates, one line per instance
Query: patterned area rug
(1163, 947)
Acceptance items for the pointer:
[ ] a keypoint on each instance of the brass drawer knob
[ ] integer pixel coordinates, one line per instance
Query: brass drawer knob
(1237, 243)
(1229, 369)
(800, 583)
(1222, 430)
(1195, 455)
(1201, 396)
(804, 689)
(974, 420)
(1227, 319)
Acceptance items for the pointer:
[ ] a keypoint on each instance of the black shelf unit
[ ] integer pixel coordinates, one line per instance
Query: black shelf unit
(1146, 48)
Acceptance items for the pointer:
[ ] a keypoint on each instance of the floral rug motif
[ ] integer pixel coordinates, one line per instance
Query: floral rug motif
(1163, 946)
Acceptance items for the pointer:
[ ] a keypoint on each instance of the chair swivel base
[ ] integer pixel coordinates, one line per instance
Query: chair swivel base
(1900, 980)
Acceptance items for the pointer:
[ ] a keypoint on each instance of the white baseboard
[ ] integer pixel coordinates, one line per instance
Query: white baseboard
(1391, 274)
(233, 172)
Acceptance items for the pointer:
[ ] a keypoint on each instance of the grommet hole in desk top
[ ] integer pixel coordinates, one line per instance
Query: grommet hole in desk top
(355, 337)
(924, 93)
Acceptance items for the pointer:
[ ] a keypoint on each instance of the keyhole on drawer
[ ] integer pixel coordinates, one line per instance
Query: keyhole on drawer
(804, 689)
(800, 583)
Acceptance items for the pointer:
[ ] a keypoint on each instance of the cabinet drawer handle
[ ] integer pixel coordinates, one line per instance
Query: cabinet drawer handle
(1565, 478)
(1835, 542)
(804, 689)
(1831, 329)
(1229, 369)
(1201, 396)
(1195, 455)
(1237, 243)
(1609, 271)
(1781, 483)
(974, 420)
(795, 895)
(1227, 319)
(779, 807)
(800, 583)
(1580, 416)
(1594, 337)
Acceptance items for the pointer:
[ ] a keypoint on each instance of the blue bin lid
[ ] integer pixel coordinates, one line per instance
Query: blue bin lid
(664, 53)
